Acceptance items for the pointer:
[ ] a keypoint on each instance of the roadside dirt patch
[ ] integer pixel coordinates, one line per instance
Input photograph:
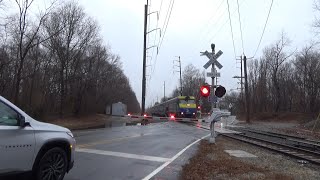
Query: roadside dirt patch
(212, 162)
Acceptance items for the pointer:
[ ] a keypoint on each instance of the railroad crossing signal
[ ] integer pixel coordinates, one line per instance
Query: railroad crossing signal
(212, 59)
(205, 91)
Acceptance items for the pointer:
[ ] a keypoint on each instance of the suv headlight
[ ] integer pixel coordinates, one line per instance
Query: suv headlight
(70, 134)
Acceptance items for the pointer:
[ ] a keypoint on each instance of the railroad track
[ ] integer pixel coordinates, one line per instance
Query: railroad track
(300, 152)
(288, 137)
(295, 141)
(295, 152)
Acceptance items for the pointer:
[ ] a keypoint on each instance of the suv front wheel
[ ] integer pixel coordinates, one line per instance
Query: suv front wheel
(53, 165)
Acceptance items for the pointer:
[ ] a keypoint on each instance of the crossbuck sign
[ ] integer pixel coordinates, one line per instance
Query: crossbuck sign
(212, 59)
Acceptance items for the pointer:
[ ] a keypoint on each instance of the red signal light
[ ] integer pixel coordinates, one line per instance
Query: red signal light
(205, 91)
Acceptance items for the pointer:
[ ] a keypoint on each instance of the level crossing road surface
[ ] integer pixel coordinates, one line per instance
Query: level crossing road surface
(155, 151)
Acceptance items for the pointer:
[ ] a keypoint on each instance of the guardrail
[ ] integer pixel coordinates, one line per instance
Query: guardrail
(215, 116)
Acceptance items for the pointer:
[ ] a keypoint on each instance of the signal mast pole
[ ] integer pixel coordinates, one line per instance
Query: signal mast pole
(213, 103)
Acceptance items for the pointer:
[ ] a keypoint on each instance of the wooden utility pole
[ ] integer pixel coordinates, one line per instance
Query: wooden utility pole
(241, 81)
(164, 91)
(180, 72)
(143, 101)
(246, 89)
(180, 77)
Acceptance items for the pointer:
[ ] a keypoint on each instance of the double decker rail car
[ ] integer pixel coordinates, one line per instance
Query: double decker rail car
(181, 106)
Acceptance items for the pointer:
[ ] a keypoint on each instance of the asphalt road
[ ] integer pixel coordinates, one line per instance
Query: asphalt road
(155, 151)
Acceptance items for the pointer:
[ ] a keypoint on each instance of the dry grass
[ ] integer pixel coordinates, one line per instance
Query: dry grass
(279, 117)
(82, 122)
(211, 162)
(301, 132)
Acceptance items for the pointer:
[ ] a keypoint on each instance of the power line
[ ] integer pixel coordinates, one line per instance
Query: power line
(240, 27)
(160, 7)
(165, 29)
(234, 49)
(165, 25)
(264, 28)
(205, 35)
(221, 27)
(149, 7)
(155, 38)
(148, 61)
(211, 18)
(165, 20)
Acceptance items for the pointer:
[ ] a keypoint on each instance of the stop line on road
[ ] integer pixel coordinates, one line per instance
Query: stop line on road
(124, 155)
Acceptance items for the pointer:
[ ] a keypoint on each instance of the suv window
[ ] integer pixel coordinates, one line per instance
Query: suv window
(8, 117)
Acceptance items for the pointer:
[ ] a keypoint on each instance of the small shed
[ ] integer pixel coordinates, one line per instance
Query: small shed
(117, 109)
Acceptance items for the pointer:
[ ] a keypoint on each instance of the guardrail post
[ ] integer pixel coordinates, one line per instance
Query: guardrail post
(212, 139)
(215, 117)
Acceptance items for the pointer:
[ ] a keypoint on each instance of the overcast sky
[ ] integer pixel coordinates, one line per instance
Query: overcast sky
(192, 27)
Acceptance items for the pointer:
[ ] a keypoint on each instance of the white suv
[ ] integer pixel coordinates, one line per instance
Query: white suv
(27, 145)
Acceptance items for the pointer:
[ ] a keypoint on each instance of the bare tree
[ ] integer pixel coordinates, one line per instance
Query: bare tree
(59, 65)
(307, 64)
(26, 37)
(275, 56)
(192, 79)
(68, 46)
(278, 82)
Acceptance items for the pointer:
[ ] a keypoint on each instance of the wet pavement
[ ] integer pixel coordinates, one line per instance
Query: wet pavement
(155, 151)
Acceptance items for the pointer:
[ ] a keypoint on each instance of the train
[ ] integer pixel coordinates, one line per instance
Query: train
(181, 106)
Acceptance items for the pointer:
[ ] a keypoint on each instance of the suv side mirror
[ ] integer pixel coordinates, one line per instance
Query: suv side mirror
(22, 121)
